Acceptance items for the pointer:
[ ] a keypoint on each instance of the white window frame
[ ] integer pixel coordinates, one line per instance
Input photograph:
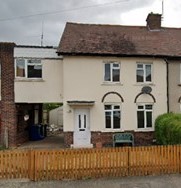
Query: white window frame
(112, 110)
(112, 63)
(26, 67)
(144, 72)
(145, 119)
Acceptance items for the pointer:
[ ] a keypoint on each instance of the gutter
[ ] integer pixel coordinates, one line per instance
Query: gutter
(167, 78)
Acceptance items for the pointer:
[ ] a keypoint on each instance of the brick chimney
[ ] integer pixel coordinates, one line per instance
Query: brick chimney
(154, 21)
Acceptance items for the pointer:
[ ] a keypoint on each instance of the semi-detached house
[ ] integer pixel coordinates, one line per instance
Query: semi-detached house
(118, 79)
(110, 78)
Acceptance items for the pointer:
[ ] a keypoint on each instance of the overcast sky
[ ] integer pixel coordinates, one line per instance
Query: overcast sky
(21, 20)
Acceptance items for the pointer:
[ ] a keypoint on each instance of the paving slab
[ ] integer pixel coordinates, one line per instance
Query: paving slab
(165, 181)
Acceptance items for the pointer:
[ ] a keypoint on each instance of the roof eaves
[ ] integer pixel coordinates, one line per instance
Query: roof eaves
(117, 55)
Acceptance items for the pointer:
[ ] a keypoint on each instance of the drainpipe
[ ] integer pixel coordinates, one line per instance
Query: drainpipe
(167, 77)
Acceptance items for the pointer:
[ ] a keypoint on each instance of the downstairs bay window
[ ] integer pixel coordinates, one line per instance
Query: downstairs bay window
(144, 116)
(112, 116)
(28, 68)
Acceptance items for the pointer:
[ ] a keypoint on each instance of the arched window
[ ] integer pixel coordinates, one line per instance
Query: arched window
(144, 103)
(112, 109)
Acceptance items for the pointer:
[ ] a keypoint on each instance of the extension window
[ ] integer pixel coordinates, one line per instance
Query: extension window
(28, 68)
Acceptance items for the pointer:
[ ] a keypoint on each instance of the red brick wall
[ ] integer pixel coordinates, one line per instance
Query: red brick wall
(140, 138)
(143, 138)
(68, 138)
(8, 109)
(0, 120)
(105, 138)
(23, 126)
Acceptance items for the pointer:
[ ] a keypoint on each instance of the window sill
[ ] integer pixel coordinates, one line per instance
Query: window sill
(144, 84)
(29, 80)
(144, 130)
(112, 130)
(111, 83)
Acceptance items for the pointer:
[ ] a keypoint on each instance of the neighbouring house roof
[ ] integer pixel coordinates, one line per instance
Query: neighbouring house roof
(117, 40)
(41, 52)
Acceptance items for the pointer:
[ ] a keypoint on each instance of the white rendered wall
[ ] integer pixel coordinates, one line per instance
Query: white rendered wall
(83, 80)
(47, 89)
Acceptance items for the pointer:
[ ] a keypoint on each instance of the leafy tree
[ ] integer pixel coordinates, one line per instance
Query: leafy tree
(51, 106)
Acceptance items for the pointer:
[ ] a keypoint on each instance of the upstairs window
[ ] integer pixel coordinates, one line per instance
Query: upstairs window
(144, 116)
(28, 68)
(144, 73)
(20, 68)
(112, 116)
(112, 72)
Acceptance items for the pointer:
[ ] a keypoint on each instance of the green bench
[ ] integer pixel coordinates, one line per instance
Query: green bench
(123, 138)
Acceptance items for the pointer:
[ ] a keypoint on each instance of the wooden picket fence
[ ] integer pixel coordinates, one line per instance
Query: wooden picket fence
(88, 163)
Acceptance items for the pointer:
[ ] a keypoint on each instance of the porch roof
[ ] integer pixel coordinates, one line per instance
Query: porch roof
(80, 103)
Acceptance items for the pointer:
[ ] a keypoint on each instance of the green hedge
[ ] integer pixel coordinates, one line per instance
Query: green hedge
(168, 129)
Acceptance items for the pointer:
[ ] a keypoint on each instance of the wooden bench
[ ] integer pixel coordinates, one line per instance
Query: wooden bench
(122, 138)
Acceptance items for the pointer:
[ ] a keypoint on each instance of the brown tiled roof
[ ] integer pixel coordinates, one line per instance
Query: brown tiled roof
(117, 40)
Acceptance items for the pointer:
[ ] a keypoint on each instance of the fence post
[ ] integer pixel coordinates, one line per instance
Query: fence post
(31, 164)
(128, 151)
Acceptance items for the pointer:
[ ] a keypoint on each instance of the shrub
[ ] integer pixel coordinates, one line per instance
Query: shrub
(168, 129)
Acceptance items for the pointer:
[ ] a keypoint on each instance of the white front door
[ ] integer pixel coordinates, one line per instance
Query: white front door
(82, 128)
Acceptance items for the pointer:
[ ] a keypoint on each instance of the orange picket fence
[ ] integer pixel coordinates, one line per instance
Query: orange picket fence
(89, 163)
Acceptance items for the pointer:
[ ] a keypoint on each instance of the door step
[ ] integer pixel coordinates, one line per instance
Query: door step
(81, 146)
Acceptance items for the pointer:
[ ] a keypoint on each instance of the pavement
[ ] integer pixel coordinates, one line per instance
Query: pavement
(164, 181)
